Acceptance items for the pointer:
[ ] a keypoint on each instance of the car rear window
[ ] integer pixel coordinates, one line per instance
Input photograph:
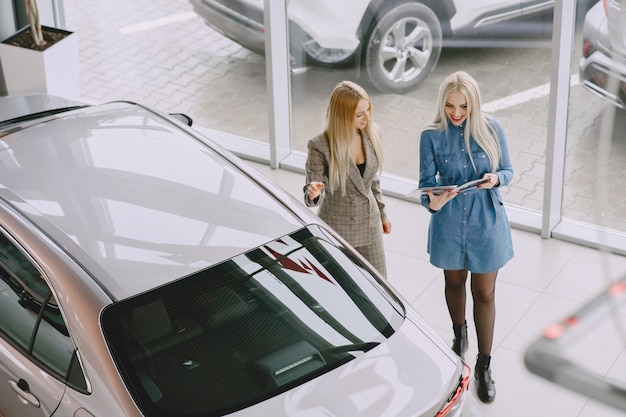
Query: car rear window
(249, 328)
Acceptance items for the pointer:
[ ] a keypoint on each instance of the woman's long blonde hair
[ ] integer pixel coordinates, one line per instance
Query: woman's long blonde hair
(339, 130)
(477, 126)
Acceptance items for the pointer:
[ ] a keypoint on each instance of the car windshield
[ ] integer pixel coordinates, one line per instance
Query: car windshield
(245, 330)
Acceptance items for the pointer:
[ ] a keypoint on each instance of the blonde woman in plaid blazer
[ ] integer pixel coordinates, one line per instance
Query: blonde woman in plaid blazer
(342, 173)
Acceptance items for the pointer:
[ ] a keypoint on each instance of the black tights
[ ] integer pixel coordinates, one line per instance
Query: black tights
(483, 293)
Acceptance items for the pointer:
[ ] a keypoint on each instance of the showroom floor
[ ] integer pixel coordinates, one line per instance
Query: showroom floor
(546, 281)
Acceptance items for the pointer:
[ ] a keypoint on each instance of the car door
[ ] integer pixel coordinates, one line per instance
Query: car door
(35, 350)
(25, 390)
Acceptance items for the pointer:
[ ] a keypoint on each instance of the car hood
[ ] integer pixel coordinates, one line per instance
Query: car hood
(409, 375)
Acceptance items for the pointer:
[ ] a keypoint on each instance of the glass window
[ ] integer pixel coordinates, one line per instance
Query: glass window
(22, 290)
(167, 57)
(29, 315)
(249, 328)
(400, 53)
(52, 344)
(596, 151)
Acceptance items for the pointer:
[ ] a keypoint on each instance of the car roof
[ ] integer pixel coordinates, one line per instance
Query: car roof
(12, 107)
(135, 197)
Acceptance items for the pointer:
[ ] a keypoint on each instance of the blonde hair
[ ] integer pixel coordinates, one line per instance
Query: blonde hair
(339, 129)
(477, 126)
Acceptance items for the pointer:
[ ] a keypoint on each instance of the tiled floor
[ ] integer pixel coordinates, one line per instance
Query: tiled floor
(547, 280)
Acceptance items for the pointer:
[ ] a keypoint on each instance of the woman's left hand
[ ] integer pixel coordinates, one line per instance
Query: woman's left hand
(494, 180)
(386, 227)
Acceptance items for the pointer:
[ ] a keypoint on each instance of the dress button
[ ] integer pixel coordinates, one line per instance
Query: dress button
(353, 203)
(353, 218)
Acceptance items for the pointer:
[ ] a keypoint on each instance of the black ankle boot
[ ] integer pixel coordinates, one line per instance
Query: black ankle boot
(482, 373)
(460, 343)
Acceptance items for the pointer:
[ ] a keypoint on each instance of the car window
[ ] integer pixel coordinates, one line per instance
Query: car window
(249, 328)
(30, 317)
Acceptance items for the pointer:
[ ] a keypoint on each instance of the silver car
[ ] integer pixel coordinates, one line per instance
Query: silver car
(603, 64)
(148, 272)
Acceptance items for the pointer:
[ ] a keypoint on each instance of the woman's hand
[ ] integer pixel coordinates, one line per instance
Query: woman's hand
(386, 227)
(438, 201)
(315, 189)
(494, 180)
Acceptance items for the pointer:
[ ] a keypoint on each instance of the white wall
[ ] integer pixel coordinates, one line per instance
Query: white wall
(7, 19)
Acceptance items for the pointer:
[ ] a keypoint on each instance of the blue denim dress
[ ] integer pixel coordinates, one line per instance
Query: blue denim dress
(472, 230)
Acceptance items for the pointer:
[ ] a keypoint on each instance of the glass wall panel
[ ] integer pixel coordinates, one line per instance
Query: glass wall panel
(161, 53)
(596, 148)
(509, 57)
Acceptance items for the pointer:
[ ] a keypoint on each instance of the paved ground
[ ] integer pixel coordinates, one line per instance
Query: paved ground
(160, 53)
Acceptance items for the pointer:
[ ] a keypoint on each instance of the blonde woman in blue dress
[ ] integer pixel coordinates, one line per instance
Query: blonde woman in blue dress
(469, 231)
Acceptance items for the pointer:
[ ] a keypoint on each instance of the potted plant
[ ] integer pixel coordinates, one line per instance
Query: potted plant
(40, 59)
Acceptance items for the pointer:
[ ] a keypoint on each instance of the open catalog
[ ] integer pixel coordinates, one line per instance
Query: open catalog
(440, 189)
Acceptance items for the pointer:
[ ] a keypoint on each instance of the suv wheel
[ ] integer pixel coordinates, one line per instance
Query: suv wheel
(403, 48)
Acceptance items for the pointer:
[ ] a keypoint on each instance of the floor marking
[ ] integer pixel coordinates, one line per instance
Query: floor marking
(151, 24)
(523, 97)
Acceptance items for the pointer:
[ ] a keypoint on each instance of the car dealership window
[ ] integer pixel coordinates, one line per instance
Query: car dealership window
(402, 55)
(596, 151)
(516, 66)
(232, 91)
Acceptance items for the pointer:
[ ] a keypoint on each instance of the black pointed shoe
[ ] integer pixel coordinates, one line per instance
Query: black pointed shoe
(460, 343)
(482, 373)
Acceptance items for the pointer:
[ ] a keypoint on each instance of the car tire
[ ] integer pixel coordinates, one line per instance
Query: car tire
(403, 48)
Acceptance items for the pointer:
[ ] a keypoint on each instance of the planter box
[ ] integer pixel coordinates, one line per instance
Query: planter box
(54, 70)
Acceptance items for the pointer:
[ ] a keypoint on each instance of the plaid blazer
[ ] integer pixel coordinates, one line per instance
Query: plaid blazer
(357, 216)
